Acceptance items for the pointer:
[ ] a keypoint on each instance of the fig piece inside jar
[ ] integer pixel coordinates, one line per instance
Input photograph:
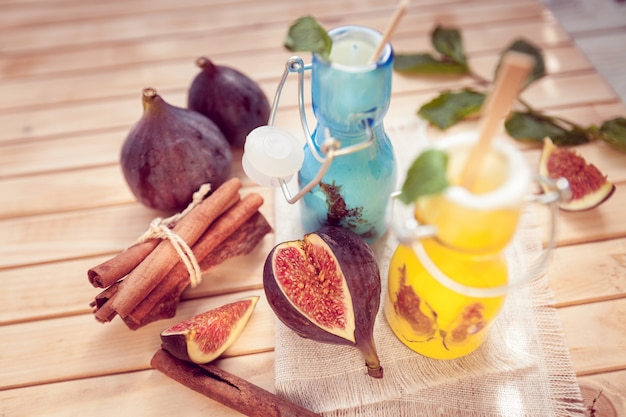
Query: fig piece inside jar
(326, 287)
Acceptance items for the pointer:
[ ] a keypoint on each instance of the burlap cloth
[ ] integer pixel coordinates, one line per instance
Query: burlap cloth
(523, 369)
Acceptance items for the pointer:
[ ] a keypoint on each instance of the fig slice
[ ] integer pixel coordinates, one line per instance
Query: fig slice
(589, 186)
(326, 287)
(204, 337)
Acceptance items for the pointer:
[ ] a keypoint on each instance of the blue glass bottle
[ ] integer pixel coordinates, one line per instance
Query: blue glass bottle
(350, 98)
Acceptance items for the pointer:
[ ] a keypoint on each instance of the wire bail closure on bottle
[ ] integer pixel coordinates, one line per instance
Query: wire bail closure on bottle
(266, 169)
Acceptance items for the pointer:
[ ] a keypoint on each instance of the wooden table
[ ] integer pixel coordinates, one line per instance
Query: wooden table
(71, 75)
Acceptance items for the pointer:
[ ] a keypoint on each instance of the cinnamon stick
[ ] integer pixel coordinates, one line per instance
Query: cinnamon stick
(163, 309)
(226, 225)
(147, 275)
(114, 269)
(226, 388)
(242, 242)
(177, 279)
(103, 311)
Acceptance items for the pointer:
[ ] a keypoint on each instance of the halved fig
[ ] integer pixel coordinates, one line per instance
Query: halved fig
(588, 185)
(204, 337)
(326, 287)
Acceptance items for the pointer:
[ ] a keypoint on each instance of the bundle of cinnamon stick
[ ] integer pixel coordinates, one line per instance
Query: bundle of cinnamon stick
(143, 283)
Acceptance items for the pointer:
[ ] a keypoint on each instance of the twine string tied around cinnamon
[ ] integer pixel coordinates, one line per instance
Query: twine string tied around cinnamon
(160, 228)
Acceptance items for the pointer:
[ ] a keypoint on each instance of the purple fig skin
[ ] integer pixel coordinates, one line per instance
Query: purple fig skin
(170, 152)
(362, 275)
(230, 98)
(176, 344)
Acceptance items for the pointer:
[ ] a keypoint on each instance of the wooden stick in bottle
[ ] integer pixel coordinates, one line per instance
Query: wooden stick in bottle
(391, 27)
(513, 72)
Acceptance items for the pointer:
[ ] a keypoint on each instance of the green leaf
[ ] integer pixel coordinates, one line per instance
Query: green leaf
(572, 137)
(613, 132)
(448, 42)
(306, 34)
(534, 127)
(450, 108)
(426, 176)
(520, 45)
(531, 127)
(426, 64)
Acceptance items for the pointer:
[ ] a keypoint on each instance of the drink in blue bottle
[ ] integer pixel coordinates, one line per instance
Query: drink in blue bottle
(350, 98)
(347, 167)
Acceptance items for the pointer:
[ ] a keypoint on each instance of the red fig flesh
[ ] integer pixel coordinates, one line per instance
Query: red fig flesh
(170, 152)
(589, 186)
(204, 337)
(326, 287)
(230, 98)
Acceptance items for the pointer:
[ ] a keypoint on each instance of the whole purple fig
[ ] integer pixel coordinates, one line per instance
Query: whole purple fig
(231, 99)
(170, 152)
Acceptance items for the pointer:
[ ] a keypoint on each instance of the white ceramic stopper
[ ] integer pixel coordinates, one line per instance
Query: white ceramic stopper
(270, 154)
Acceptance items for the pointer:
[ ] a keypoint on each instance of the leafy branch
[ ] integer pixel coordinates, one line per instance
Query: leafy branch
(529, 124)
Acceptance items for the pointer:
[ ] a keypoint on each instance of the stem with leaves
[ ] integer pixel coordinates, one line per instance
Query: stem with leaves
(530, 124)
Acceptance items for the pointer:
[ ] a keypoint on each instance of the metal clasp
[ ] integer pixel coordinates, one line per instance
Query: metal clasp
(330, 148)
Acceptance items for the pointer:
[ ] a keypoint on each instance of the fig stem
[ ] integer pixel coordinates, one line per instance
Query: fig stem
(205, 64)
(374, 370)
(372, 362)
(149, 96)
(149, 92)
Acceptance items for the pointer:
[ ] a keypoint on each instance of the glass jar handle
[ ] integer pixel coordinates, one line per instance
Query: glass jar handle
(411, 234)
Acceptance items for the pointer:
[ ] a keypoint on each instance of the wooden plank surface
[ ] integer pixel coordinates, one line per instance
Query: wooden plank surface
(598, 29)
(165, 396)
(71, 73)
(97, 349)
